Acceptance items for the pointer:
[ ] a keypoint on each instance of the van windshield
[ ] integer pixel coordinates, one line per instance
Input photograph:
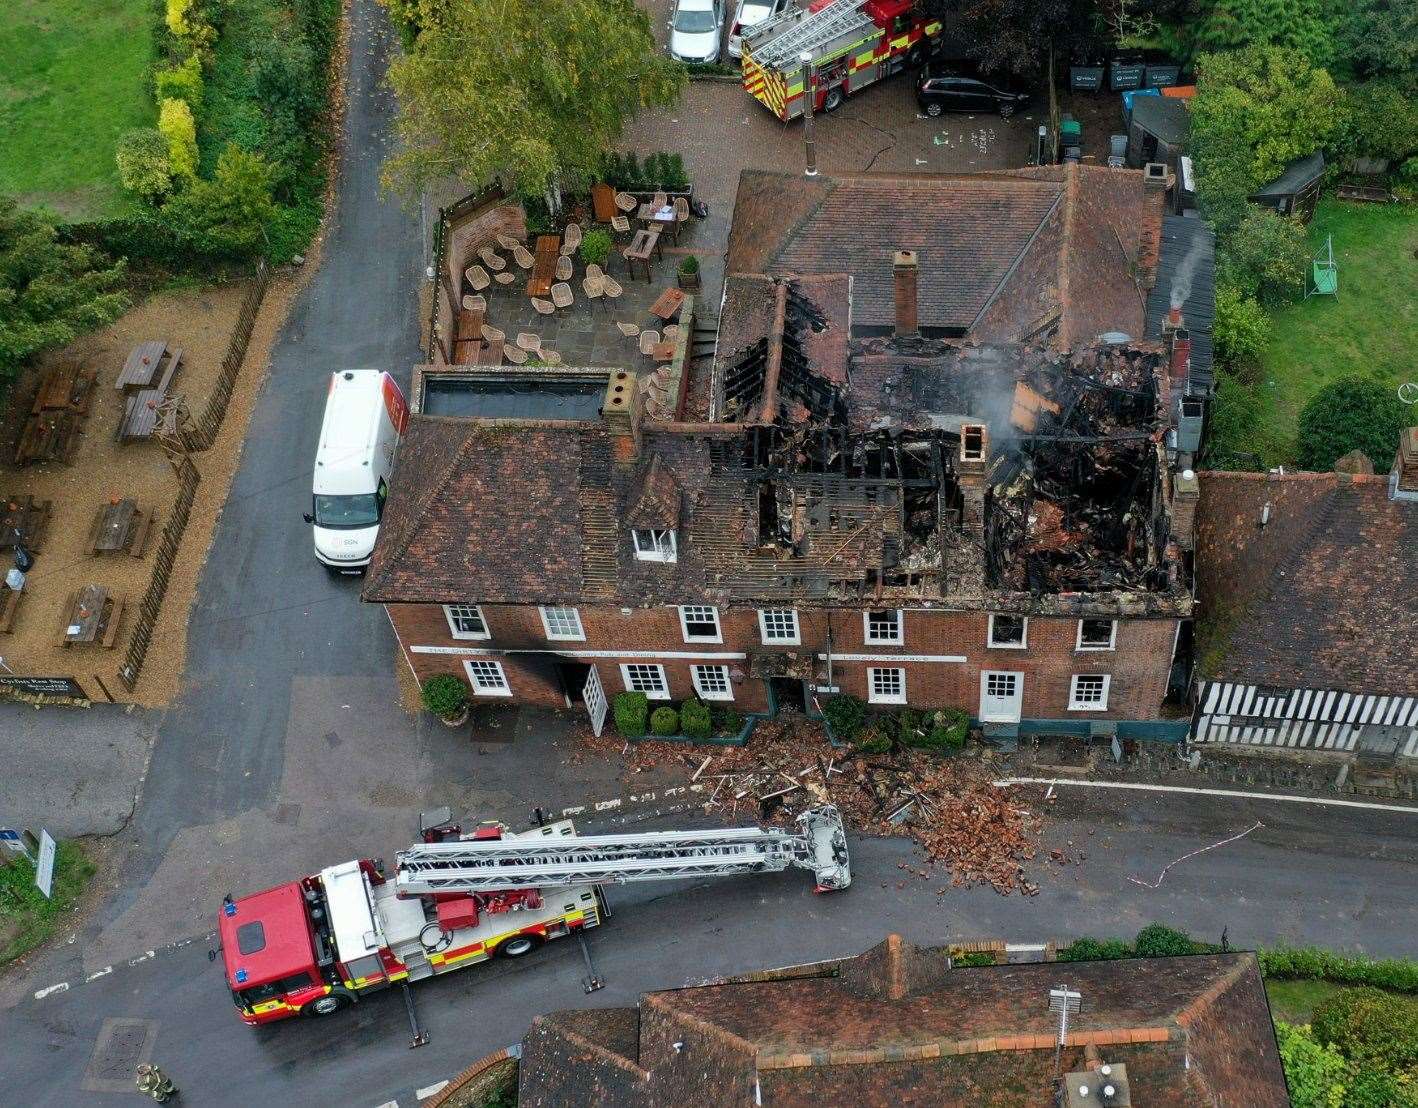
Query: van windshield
(347, 512)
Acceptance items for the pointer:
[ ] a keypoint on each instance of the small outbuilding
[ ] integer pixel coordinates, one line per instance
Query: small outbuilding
(1158, 130)
(1295, 191)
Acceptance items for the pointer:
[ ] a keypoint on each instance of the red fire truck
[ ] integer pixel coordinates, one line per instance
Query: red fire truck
(852, 44)
(314, 946)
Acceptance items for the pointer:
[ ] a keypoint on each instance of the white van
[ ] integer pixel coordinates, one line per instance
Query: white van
(364, 416)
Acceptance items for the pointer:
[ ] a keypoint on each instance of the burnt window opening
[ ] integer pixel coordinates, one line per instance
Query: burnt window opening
(1008, 632)
(1096, 634)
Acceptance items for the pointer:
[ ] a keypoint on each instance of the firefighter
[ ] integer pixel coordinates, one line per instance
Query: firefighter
(154, 1083)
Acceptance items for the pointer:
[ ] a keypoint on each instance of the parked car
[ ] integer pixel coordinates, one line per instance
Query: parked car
(695, 30)
(750, 14)
(939, 93)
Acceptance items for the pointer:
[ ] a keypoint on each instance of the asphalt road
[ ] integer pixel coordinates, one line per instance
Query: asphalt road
(1344, 878)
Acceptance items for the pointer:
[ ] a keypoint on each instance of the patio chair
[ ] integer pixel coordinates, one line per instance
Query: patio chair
(593, 270)
(475, 303)
(594, 288)
(522, 256)
(681, 210)
(672, 332)
(563, 268)
(492, 334)
(570, 239)
(507, 242)
(529, 342)
(543, 307)
(660, 200)
(550, 357)
(506, 277)
(625, 202)
(515, 354)
(477, 277)
(648, 340)
(629, 330)
(620, 224)
(492, 259)
(561, 295)
(611, 289)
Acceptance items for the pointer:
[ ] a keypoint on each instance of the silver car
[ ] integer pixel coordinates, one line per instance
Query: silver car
(695, 30)
(750, 14)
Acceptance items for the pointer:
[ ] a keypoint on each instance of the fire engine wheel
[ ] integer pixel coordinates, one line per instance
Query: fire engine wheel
(327, 1005)
(1006, 110)
(519, 946)
(935, 111)
(833, 100)
(916, 57)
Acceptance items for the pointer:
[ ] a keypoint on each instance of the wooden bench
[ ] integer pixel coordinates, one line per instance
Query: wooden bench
(8, 607)
(115, 614)
(140, 410)
(143, 364)
(142, 527)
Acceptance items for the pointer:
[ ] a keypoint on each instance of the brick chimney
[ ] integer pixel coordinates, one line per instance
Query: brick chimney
(971, 464)
(1186, 493)
(621, 412)
(1403, 480)
(904, 269)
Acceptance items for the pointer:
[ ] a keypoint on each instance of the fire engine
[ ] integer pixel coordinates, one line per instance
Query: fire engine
(315, 946)
(852, 43)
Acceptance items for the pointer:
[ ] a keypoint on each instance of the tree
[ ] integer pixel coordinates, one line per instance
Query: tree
(1379, 38)
(1266, 255)
(532, 91)
(226, 216)
(1018, 36)
(144, 163)
(1352, 413)
(1306, 26)
(1242, 328)
(1383, 122)
(180, 129)
(50, 292)
(1314, 1073)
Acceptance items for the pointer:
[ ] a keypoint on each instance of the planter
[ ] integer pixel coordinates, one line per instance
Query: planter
(1162, 76)
(688, 280)
(458, 720)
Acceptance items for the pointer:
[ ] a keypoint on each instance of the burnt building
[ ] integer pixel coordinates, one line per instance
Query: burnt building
(909, 517)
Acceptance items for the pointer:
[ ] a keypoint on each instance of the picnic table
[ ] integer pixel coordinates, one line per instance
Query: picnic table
(91, 614)
(23, 519)
(667, 304)
(544, 265)
(144, 365)
(119, 525)
(63, 387)
(140, 409)
(641, 247)
(663, 218)
(51, 431)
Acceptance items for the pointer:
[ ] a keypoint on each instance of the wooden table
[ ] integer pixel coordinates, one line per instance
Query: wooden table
(56, 389)
(490, 353)
(470, 324)
(119, 526)
(145, 362)
(641, 247)
(91, 615)
(663, 352)
(140, 415)
(23, 519)
(544, 265)
(648, 214)
(667, 304)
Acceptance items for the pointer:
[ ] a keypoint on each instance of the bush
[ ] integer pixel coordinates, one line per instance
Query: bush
(910, 727)
(664, 721)
(187, 22)
(695, 720)
(144, 163)
(1383, 122)
(182, 81)
(283, 79)
(689, 265)
(1267, 255)
(595, 247)
(967, 958)
(1158, 941)
(1369, 1027)
(631, 711)
(948, 730)
(444, 695)
(180, 129)
(1095, 950)
(1311, 963)
(1242, 328)
(226, 217)
(1314, 1073)
(676, 179)
(845, 714)
(872, 741)
(1351, 413)
(726, 720)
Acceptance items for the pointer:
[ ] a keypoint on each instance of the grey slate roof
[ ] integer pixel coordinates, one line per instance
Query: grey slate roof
(1298, 174)
(1186, 267)
(1164, 116)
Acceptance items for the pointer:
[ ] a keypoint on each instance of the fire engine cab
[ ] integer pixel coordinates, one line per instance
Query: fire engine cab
(315, 946)
(852, 44)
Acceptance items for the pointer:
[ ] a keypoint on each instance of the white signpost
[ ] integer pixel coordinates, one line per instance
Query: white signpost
(44, 868)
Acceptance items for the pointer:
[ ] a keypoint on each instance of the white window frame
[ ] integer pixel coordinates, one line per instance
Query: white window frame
(697, 672)
(1079, 644)
(876, 640)
(684, 622)
(663, 546)
(875, 697)
(453, 622)
(473, 666)
(560, 614)
(795, 639)
(1022, 644)
(662, 692)
(1076, 705)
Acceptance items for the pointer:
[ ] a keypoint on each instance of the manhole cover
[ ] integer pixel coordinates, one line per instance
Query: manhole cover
(287, 814)
(123, 1045)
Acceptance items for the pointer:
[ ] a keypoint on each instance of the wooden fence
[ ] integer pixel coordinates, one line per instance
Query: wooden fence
(204, 432)
(163, 561)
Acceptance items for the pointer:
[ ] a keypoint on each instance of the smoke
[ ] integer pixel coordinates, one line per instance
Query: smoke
(1182, 283)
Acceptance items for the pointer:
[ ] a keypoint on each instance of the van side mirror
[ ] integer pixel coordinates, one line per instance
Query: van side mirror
(308, 518)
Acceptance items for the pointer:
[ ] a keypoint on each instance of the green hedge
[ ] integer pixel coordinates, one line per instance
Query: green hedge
(664, 721)
(695, 719)
(632, 711)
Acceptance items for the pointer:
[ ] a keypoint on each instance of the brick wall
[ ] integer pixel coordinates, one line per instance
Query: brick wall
(1138, 664)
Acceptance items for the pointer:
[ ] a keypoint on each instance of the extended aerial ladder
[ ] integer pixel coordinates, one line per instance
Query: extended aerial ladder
(559, 858)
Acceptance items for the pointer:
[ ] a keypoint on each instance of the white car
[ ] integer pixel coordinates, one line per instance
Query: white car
(696, 29)
(749, 15)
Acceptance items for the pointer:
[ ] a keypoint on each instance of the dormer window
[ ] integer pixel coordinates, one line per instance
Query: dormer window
(653, 544)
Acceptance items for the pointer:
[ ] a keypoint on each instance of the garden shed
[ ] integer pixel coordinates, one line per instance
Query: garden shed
(1158, 130)
(1295, 191)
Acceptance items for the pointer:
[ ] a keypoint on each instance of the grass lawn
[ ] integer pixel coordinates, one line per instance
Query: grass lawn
(26, 917)
(1368, 329)
(1293, 1001)
(74, 77)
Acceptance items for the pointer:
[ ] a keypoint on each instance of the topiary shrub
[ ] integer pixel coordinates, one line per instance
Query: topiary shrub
(444, 695)
(845, 714)
(1370, 1027)
(1351, 413)
(872, 741)
(948, 730)
(180, 129)
(664, 721)
(689, 265)
(631, 710)
(1159, 941)
(695, 719)
(182, 81)
(595, 247)
(144, 163)
(726, 720)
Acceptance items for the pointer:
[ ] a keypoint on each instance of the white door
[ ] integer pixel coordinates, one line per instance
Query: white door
(595, 698)
(1001, 696)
